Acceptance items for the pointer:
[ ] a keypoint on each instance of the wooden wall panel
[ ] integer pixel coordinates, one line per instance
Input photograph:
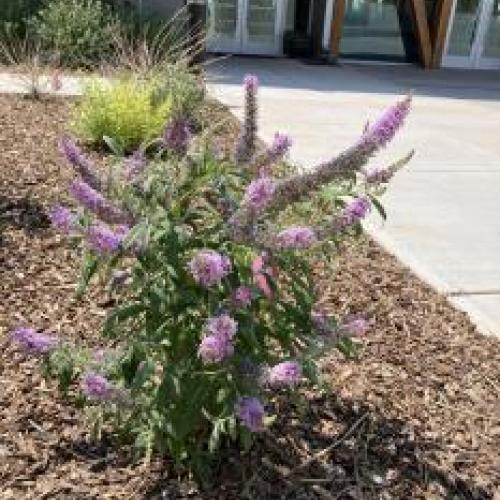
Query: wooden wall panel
(422, 32)
(430, 41)
(336, 27)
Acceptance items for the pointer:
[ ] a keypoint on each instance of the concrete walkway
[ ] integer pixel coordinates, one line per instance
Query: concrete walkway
(15, 83)
(443, 209)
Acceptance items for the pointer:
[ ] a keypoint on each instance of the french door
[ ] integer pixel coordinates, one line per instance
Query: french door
(245, 26)
(474, 35)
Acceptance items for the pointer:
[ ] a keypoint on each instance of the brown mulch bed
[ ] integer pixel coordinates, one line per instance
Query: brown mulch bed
(416, 416)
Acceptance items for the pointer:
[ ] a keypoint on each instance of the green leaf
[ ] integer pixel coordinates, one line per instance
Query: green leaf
(89, 267)
(122, 314)
(114, 146)
(347, 347)
(215, 436)
(379, 207)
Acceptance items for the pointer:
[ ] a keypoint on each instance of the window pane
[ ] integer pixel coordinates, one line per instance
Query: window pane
(223, 17)
(261, 21)
(492, 42)
(464, 28)
(376, 28)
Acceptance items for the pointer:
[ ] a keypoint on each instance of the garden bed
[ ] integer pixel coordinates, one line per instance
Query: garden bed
(416, 416)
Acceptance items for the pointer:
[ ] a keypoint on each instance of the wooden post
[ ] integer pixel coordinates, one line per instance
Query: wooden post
(423, 36)
(336, 28)
(443, 19)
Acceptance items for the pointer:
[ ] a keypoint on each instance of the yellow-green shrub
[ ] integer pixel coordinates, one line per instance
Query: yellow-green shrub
(123, 110)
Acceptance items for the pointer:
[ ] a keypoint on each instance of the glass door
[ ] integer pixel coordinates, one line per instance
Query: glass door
(474, 35)
(223, 26)
(490, 55)
(263, 27)
(246, 26)
(378, 29)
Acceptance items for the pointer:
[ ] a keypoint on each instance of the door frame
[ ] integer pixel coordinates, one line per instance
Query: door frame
(241, 43)
(475, 60)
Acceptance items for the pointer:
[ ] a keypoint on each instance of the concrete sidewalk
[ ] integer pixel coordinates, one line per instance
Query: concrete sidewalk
(443, 209)
(16, 83)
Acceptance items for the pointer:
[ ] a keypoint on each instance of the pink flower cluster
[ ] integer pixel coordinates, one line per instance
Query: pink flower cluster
(104, 240)
(217, 344)
(251, 413)
(250, 82)
(209, 267)
(97, 387)
(356, 210)
(94, 201)
(379, 176)
(242, 296)
(80, 163)
(286, 374)
(281, 144)
(34, 342)
(258, 194)
(296, 237)
(384, 129)
(246, 146)
(62, 218)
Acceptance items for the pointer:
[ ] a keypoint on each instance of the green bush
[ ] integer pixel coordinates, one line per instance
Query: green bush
(77, 30)
(124, 110)
(218, 316)
(14, 16)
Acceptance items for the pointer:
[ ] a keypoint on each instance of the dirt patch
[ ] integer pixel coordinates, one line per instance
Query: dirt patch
(416, 416)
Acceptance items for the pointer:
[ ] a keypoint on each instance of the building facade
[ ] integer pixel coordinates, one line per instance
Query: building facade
(432, 33)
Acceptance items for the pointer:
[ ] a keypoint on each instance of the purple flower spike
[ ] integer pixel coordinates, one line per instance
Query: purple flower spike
(384, 129)
(281, 145)
(178, 135)
(80, 163)
(251, 82)
(285, 374)
(62, 218)
(97, 387)
(251, 413)
(134, 164)
(242, 296)
(209, 267)
(379, 176)
(356, 210)
(215, 349)
(222, 326)
(103, 240)
(245, 149)
(34, 342)
(297, 237)
(259, 192)
(95, 202)
(355, 327)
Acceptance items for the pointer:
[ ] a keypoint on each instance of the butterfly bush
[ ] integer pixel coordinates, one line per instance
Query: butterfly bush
(217, 314)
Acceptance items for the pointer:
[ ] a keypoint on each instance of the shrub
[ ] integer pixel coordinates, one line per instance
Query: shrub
(217, 309)
(124, 110)
(150, 47)
(14, 16)
(79, 31)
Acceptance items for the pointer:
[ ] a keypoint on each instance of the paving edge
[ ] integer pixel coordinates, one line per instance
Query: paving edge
(481, 321)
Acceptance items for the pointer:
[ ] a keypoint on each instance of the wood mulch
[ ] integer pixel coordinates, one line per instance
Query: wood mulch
(417, 415)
